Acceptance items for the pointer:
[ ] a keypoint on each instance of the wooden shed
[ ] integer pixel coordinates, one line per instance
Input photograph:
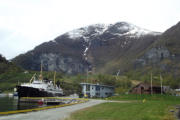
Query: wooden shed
(144, 88)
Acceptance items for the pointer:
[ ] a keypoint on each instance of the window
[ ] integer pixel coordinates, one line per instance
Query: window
(97, 94)
(98, 88)
(87, 87)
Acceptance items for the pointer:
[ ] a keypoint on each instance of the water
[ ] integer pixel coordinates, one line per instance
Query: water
(11, 103)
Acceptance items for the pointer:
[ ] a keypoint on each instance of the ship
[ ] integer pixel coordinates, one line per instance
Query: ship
(39, 87)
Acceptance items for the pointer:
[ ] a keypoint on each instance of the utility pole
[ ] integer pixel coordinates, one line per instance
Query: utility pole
(151, 84)
(87, 76)
(161, 80)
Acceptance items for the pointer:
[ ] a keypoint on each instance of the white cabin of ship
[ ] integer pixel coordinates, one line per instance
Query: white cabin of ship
(42, 85)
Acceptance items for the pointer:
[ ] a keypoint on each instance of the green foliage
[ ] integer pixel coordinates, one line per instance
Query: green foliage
(106, 79)
(154, 97)
(9, 80)
(6, 66)
(71, 88)
(168, 79)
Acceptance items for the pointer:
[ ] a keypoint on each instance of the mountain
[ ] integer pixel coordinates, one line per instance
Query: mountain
(98, 48)
(163, 55)
(3, 64)
(6, 66)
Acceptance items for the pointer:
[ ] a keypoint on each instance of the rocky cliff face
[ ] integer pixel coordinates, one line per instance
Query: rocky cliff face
(63, 56)
(154, 56)
(163, 54)
(57, 62)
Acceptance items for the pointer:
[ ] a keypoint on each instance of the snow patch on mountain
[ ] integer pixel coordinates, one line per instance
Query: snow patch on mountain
(118, 29)
(76, 33)
(137, 31)
(54, 41)
(86, 32)
(85, 51)
(132, 30)
(86, 39)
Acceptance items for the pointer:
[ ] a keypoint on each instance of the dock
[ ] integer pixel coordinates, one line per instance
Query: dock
(52, 102)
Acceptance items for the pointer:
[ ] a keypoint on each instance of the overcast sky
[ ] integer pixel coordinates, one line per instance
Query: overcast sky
(25, 24)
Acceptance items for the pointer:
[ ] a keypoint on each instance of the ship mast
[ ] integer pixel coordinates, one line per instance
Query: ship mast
(32, 78)
(41, 76)
(55, 78)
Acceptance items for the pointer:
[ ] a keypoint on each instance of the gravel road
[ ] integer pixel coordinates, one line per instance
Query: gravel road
(52, 114)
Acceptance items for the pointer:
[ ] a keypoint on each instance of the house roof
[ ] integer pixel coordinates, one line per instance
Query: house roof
(146, 85)
(96, 84)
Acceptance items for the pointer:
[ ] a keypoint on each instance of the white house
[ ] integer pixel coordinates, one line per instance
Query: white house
(97, 90)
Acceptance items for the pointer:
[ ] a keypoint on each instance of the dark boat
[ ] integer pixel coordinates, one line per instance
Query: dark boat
(39, 88)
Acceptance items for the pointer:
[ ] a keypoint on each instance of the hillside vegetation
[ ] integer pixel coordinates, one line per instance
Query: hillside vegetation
(11, 75)
(6, 66)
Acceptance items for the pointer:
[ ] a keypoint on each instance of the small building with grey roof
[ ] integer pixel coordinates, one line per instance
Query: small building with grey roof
(97, 90)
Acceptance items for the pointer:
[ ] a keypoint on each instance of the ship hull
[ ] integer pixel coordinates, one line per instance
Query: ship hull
(24, 91)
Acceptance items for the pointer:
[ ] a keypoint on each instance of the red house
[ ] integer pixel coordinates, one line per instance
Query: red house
(144, 88)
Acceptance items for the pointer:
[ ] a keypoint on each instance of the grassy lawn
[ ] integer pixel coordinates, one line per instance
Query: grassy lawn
(155, 108)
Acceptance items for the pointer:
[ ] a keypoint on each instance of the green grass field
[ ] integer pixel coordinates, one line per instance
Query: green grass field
(155, 107)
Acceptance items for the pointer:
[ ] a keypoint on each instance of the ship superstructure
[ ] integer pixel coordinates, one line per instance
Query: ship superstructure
(39, 87)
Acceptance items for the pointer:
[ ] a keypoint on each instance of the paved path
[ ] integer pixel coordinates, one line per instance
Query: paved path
(55, 113)
(52, 114)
